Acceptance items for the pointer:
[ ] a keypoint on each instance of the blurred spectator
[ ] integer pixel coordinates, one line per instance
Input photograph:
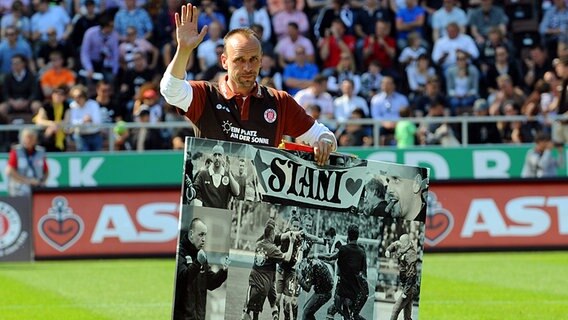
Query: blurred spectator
(371, 80)
(6, 6)
(80, 23)
(417, 75)
(443, 16)
(51, 118)
(316, 94)
(276, 6)
(354, 134)
(487, 49)
(560, 105)
(281, 20)
(483, 18)
(299, 75)
(214, 70)
(535, 65)
(131, 80)
(133, 16)
(506, 92)
(17, 19)
(111, 111)
(206, 49)
(165, 23)
(209, 14)
(48, 17)
(385, 106)
(462, 84)
(20, 89)
(539, 162)
(482, 132)
(436, 133)
(345, 104)
(554, 24)
(286, 46)
(52, 44)
(405, 130)
(99, 50)
(266, 45)
(502, 65)
(410, 53)
(380, 46)
(372, 11)
(85, 117)
(445, 48)
(314, 111)
(538, 103)
(132, 44)
(12, 46)
(146, 138)
(515, 131)
(149, 100)
(411, 18)
(432, 93)
(345, 70)
(269, 70)
(334, 10)
(27, 165)
(247, 15)
(56, 75)
(335, 43)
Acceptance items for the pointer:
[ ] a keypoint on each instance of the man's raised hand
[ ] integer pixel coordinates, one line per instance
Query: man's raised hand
(187, 35)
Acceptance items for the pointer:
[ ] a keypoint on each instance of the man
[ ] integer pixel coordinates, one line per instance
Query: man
(100, 50)
(345, 104)
(315, 273)
(132, 15)
(287, 286)
(444, 53)
(241, 179)
(449, 12)
(27, 165)
(484, 17)
(352, 289)
(374, 202)
(406, 192)
(20, 89)
(539, 161)
(386, 106)
(215, 185)
(263, 273)
(316, 94)
(407, 258)
(194, 275)
(299, 74)
(220, 110)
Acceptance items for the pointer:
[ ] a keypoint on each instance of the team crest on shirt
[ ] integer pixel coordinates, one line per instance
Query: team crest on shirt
(270, 115)
(225, 180)
(260, 257)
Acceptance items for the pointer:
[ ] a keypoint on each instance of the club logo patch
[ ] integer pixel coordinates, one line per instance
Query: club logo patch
(270, 115)
(60, 227)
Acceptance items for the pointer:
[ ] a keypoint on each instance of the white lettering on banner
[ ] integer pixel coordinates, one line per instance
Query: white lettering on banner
(4, 182)
(116, 222)
(54, 173)
(83, 176)
(491, 164)
(528, 213)
(429, 159)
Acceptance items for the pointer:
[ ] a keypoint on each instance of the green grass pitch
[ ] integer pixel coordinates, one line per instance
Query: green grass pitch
(480, 286)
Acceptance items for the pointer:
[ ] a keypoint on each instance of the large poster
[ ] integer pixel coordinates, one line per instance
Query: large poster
(268, 234)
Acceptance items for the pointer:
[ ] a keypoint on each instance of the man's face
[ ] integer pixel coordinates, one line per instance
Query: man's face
(400, 196)
(17, 65)
(198, 235)
(308, 223)
(561, 70)
(241, 167)
(217, 160)
(387, 85)
(295, 225)
(371, 200)
(242, 61)
(346, 88)
(29, 141)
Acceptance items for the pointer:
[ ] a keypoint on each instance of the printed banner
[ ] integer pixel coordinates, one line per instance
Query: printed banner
(497, 215)
(105, 222)
(267, 234)
(15, 229)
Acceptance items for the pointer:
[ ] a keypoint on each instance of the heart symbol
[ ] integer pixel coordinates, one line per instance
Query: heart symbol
(60, 233)
(353, 185)
(439, 223)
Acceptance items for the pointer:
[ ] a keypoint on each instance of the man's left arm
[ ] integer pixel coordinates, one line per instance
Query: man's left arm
(215, 279)
(232, 181)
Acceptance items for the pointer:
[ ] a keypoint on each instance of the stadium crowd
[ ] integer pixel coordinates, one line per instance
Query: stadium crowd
(87, 62)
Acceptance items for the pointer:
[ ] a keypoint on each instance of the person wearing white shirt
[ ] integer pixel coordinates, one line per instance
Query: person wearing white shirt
(247, 15)
(348, 101)
(315, 94)
(444, 52)
(206, 50)
(446, 14)
(85, 115)
(386, 106)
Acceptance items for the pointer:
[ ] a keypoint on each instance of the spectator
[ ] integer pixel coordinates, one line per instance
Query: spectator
(149, 100)
(206, 50)
(165, 23)
(554, 24)
(80, 23)
(247, 15)
(99, 50)
(482, 132)
(410, 54)
(20, 89)
(132, 44)
(56, 75)
(432, 93)
(353, 134)
(276, 6)
(380, 46)
(52, 44)
(444, 52)
(539, 162)
(286, 46)
(371, 80)
(48, 17)
(536, 65)
(144, 138)
(85, 116)
(345, 104)
(417, 75)
(269, 70)
(437, 133)
(209, 15)
(335, 43)
(51, 117)
(411, 18)
(506, 92)
(137, 17)
(502, 65)
(514, 131)
(111, 111)
(345, 70)
(299, 75)
(12, 46)
(482, 19)
(405, 130)
(17, 19)
(487, 49)
(282, 20)
(334, 10)
(316, 94)
(373, 11)
(130, 81)
(214, 70)
(462, 84)
(314, 111)
(266, 45)
(445, 15)
(385, 106)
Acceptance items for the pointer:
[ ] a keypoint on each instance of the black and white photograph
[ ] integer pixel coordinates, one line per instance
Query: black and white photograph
(400, 269)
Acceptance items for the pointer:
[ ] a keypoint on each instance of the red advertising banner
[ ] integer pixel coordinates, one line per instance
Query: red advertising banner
(105, 222)
(497, 215)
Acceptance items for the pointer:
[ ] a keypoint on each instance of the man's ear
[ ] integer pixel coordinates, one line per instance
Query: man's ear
(417, 184)
(224, 61)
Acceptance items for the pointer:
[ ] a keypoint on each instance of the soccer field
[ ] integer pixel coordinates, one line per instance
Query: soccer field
(480, 286)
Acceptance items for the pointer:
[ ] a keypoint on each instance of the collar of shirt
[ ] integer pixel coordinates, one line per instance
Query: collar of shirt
(221, 172)
(228, 94)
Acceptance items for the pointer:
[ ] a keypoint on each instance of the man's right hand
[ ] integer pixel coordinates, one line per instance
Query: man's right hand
(187, 35)
(201, 257)
(387, 254)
